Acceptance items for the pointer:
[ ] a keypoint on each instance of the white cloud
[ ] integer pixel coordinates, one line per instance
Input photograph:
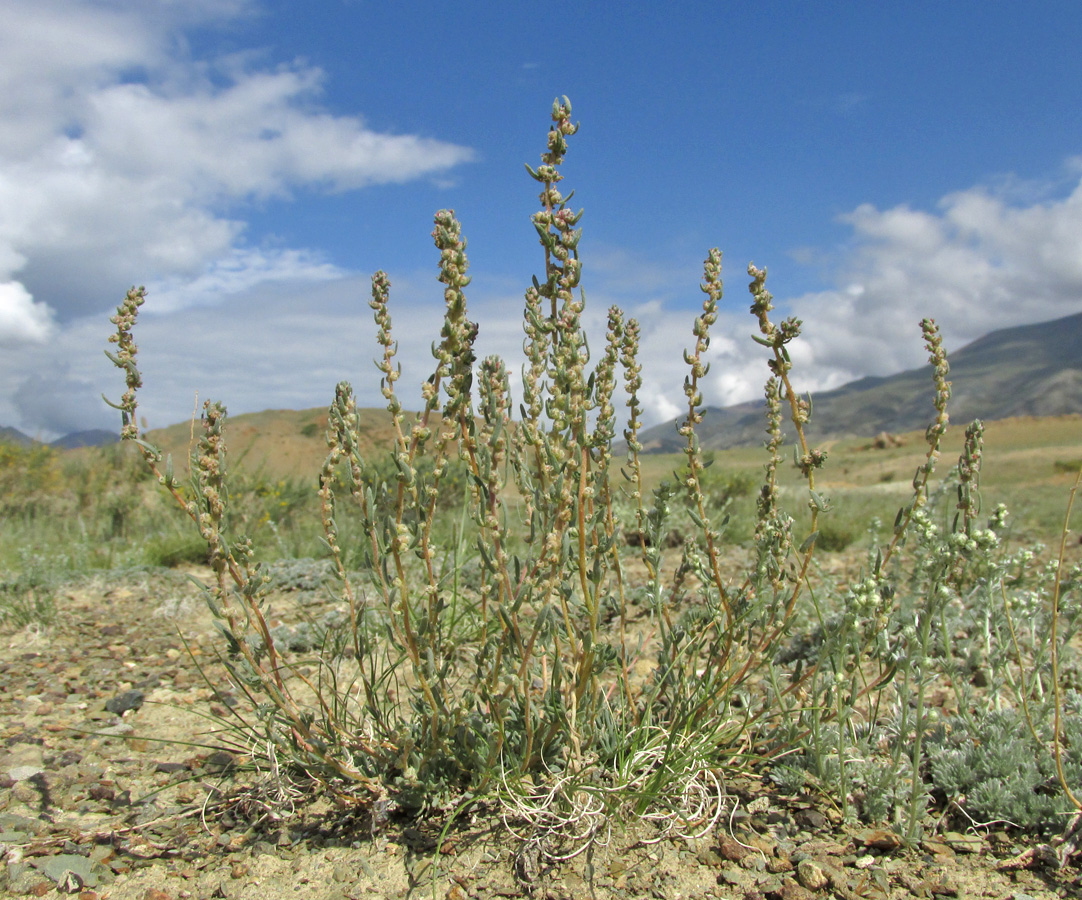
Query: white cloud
(240, 271)
(284, 337)
(60, 404)
(980, 261)
(256, 137)
(21, 319)
(125, 156)
(977, 263)
(122, 155)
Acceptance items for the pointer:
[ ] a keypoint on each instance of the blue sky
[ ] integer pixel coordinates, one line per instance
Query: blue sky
(254, 162)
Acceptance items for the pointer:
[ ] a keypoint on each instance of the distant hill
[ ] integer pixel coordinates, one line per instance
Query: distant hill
(97, 437)
(277, 443)
(14, 436)
(1031, 370)
(274, 443)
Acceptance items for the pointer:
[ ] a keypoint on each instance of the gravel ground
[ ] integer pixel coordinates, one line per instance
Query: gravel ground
(108, 790)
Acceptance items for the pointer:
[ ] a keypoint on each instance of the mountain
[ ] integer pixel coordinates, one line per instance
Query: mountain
(277, 443)
(96, 437)
(1031, 370)
(14, 436)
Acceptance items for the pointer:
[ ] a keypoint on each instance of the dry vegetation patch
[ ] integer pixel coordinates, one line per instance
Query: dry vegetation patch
(531, 659)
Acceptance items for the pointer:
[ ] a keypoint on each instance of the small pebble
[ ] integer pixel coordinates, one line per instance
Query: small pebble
(811, 875)
(120, 704)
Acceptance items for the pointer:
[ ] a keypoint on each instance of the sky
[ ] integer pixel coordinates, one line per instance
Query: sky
(253, 162)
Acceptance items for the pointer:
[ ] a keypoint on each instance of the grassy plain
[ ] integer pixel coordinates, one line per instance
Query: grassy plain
(95, 508)
(1029, 465)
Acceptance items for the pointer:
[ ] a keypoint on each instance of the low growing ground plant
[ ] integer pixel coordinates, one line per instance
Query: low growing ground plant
(517, 627)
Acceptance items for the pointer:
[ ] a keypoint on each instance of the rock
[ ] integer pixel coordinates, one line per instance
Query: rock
(57, 867)
(811, 875)
(734, 877)
(819, 848)
(24, 792)
(878, 839)
(731, 849)
(12, 823)
(812, 820)
(101, 791)
(709, 857)
(778, 865)
(114, 730)
(69, 883)
(793, 891)
(963, 843)
(19, 878)
(220, 761)
(938, 849)
(121, 703)
(940, 883)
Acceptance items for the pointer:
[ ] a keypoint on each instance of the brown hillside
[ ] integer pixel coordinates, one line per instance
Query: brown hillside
(277, 443)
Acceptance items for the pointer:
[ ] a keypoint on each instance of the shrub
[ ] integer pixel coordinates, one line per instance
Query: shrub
(995, 770)
(78, 509)
(170, 551)
(533, 653)
(29, 596)
(30, 480)
(834, 537)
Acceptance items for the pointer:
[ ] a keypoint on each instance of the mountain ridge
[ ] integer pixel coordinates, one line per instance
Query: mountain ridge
(1028, 370)
(94, 437)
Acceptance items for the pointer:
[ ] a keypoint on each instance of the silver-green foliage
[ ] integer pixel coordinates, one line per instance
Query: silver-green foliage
(996, 771)
(544, 646)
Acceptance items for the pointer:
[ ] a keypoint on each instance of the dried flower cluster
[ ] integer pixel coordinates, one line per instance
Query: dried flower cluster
(506, 647)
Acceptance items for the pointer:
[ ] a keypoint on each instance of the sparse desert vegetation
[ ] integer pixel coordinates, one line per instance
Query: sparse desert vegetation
(525, 617)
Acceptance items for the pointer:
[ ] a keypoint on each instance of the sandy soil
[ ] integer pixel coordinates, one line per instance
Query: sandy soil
(99, 801)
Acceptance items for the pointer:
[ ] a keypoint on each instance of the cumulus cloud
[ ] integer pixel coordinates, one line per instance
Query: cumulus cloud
(125, 155)
(983, 259)
(975, 264)
(60, 403)
(238, 272)
(21, 319)
(121, 153)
